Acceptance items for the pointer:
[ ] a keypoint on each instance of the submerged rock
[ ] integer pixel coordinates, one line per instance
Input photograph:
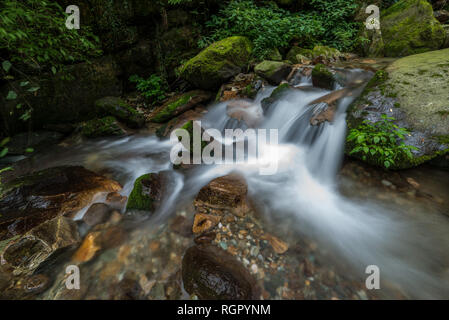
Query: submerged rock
(217, 63)
(147, 192)
(179, 104)
(414, 91)
(322, 77)
(211, 273)
(273, 71)
(409, 27)
(33, 199)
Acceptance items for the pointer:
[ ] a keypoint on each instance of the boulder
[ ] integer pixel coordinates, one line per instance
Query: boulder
(147, 192)
(212, 273)
(115, 106)
(38, 197)
(217, 63)
(273, 71)
(322, 77)
(27, 252)
(178, 105)
(295, 51)
(104, 127)
(409, 27)
(414, 91)
(442, 16)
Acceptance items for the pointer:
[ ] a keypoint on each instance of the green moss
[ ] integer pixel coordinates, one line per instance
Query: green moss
(139, 199)
(103, 127)
(169, 110)
(322, 77)
(118, 108)
(218, 62)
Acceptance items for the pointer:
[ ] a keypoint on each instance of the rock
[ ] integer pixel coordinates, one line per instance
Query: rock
(446, 41)
(292, 55)
(204, 222)
(211, 273)
(181, 225)
(278, 245)
(178, 122)
(442, 16)
(88, 248)
(274, 55)
(127, 289)
(323, 112)
(97, 213)
(116, 201)
(412, 90)
(147, 192)
(322, 77)
(33, 199)
(409, 27)
(370, 42)
(37, 140)
(104, 127)
(179, 104)
(277, 94)
(273, 71)
(217, 63)
(205, 238)
(245, 111)
(36, 284)
(116, 107)
(224, 193)
(27, 252)
(327, 54)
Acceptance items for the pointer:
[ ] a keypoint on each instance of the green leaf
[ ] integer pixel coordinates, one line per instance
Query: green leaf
(29, 150)
(3, 152)
(376, 140)
(24, 83)
(12, 95)
(6, 65)
(33, 89)
(387, 164)
(53, 69)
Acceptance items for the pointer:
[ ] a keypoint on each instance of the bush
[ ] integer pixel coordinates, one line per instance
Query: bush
(267, 26)
(153, 88)
(382, 142)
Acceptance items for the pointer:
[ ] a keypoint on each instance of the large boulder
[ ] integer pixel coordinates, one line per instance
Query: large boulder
(218, 63)
(103, 127)
(409, 27)
(212, 273)
(273, 71)
(414, 91)
(33, 199)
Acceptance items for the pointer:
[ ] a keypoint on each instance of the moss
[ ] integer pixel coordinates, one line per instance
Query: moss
(275, 95)
(103, 127)
(218, 62)
(295, 51)
(168, 111)
(322, 77)
(409, 27)
(118, 108)
(139, 199)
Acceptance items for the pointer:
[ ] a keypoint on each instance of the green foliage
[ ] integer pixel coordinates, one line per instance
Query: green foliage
(381, 141)
(267, 26)
(153, 88)
(3, 152)
(34, 32)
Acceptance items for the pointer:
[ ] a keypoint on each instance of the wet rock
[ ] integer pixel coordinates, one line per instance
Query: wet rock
(205, 238)
(26, 253)
(36, 284)
(179, 104)
(97, 213)
(147, 192)
(248, 112)
(204, 222)
(116, 201)
(33, 199)
(278, 245)
(322, 113)
(224, 193)
(217, 63)
(211, 273)
(273, 71)
(104, 127)
(127, 289)
(442, 16)
(116, 107)
(181, 225)
(322, 77)
(277, 94)
(176, 123)
(37, 140)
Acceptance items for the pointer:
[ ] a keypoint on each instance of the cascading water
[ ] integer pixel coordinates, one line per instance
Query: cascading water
(407, 252)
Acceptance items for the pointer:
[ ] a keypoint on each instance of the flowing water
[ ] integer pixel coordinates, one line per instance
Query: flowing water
(408, 249)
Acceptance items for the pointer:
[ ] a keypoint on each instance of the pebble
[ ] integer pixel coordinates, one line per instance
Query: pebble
(254, 268)
(223, 245)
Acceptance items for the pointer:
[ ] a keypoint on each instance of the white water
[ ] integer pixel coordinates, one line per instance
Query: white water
(304, 188)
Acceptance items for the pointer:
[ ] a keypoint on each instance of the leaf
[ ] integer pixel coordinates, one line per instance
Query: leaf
(387, 164)
(29, 150)
(33, 89)
(12, 95)
(3, 152)
(53, 69)
(376, 140)
(6, 65)
(24, 83)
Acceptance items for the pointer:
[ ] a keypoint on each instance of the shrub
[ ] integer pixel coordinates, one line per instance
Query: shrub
(381, 142)
(153, 88)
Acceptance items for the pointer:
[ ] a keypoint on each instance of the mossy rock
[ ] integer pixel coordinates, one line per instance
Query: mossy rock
(274, 55)
(327, 52)
(414, 90)
(104, 127)
(294, 51)
(218, 63)
(179, 104)
(147, 192)
(409, 27)
(277, 93)
(115, 106)
(322, 77)
(273, 71)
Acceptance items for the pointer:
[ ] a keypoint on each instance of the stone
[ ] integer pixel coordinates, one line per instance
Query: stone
(278, 245)
(273, 71)
(38, 197)
(409, 27)
(116, 107)
(116, 201)
(442, 16)
(224, 193)
(104, 127)
(97, 213)
(322, 77)
(147, 192)
(212, 273)
(26, 253)
(179, 104)
(37, 283)
(204, 222)
(217, 63)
